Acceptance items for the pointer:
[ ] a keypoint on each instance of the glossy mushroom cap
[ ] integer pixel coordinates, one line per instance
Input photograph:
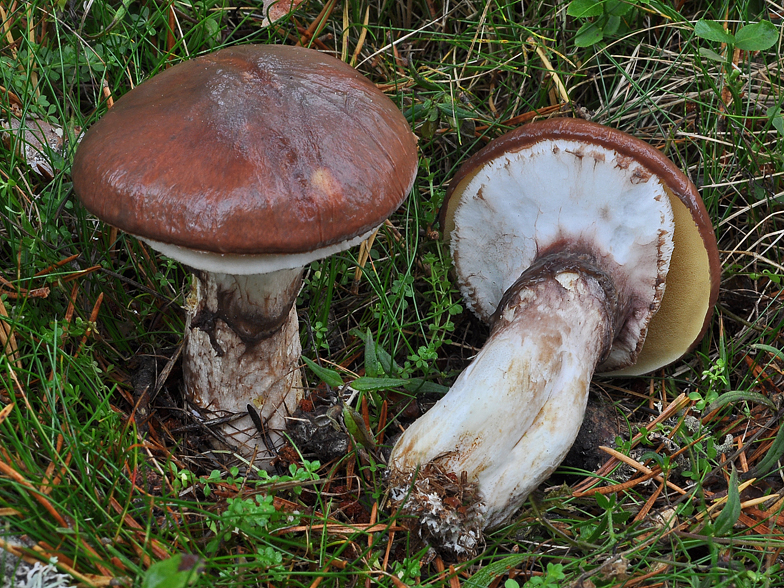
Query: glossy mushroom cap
(252, 150)
(578, 187)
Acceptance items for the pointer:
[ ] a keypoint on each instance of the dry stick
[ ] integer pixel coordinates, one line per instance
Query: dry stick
(17, 292)
(170, 41)
(58, 478)
(8, 339)
(31, 61)
(361, 40)
(454, 582)
(34, 293)
(390, 541)
(45, 487)
(365, 412)
(639, 467)
(82, 273)
(7, 30)
(632, 483)
(628, 485)
(401, 70)
(526, 116)
(43, 501)
(373, 515)
(93, 318)
(56, 265)
(562, 93)
(660, 568)
(479, 28)
(107, 95)
(5, 412)
(680, 402)
(158, 550)
(646, 508)
(341, 529)
(89, 579)
(382, 423)
(316, 41)
(344, 35)
(364, 253)
(318, 24)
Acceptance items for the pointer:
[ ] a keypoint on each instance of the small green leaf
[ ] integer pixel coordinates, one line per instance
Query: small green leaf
(712, 55)
(613, 22)
(731, 511)
(589, 34)
(653, 456)
(604, 502)
(584, 8)
(355, 425)
(484, 577)
(372, 365)
(772, 457)
(769, 348)
(366, 384)
(617, 8)
(178, 571)
(450, 109)
(329, 377)
(713, 31)
(420, 386)
(422, 81)
(757, 37)
(774, 114)
(739, 395)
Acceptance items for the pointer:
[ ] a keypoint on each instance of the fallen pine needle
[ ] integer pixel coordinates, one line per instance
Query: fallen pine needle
(639, 467)
(340, 529)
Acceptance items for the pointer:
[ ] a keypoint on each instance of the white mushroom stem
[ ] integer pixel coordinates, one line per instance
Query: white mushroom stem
(512, 415)
(242, 347)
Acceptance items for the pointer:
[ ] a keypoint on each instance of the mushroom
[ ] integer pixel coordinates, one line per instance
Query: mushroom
(246, 165)
(563, 235)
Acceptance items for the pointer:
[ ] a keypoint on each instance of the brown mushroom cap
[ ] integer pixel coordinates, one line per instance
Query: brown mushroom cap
(693, 280)
(250, 150)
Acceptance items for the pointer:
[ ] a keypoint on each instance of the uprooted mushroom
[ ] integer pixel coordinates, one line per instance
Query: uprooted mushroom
(586, 250)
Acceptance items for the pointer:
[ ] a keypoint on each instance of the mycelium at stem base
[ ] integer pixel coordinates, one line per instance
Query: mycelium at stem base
(513, 414)
(242, 347)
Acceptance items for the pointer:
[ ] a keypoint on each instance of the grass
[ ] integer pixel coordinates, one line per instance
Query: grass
(103, 470)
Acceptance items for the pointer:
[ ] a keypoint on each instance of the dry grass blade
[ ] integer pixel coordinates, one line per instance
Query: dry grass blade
(8, 339)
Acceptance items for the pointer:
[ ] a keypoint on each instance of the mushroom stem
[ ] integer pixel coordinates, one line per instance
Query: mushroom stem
(242, 347)
(513, 414)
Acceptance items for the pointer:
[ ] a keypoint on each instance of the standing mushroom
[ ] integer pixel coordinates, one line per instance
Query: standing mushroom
(247, 165)
(563, 234)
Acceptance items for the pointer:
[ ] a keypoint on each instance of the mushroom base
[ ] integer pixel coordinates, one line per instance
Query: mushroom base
(512, 415)
(242, 348)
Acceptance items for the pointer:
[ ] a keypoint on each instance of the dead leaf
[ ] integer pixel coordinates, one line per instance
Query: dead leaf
(35, 140)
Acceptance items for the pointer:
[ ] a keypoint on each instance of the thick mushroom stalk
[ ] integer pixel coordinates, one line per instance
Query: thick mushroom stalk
(242, 347)
(512, 415)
